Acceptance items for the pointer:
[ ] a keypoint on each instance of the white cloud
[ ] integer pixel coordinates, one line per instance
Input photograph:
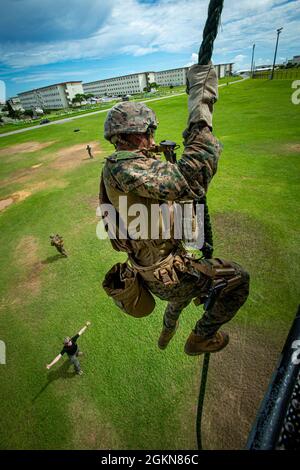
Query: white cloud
(193, 60)
(133, 28)
(39, 76)
(47, 20)
(240, 62)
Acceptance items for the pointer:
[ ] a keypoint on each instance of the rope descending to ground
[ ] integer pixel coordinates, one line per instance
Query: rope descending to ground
(201, 399)
(210, 31)
(205, 54)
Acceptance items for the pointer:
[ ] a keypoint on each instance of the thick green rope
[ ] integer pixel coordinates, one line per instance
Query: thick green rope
(201, 399)
(210, 31)
(205, 54)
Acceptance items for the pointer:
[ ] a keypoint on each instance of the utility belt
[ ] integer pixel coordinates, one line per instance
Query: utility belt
(220, 273)
(165, 271)
(126, 282)
(218, 270)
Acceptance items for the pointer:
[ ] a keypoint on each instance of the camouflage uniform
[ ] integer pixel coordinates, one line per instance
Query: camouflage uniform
(89, 150)
(58, 242)
(145, 179)
(179, 297)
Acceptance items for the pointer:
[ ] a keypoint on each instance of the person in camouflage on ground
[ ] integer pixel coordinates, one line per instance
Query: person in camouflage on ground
(58, 242)
(89, 150)
(136, 172)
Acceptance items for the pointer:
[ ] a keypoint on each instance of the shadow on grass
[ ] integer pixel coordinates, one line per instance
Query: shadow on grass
(52, 259)
(61, 373)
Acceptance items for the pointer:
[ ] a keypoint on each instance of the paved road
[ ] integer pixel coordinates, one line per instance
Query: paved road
(61, 121)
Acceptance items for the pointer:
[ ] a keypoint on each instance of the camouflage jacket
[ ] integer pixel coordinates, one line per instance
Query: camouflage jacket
(151, 179)
(57, 240)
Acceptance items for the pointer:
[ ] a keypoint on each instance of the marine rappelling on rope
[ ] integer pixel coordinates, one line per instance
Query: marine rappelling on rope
(160, 265)
(204, 57)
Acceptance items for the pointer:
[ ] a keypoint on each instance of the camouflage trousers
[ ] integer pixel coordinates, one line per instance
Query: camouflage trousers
(61, 250)
(190, 287)
(73, 359)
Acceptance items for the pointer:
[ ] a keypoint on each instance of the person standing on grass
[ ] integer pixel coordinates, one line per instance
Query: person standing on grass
(58, 242)
(72, 349)
(89, 149)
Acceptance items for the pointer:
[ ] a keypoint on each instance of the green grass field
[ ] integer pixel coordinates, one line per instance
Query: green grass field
(55, 116)
(132, 395)
(292, 73)
(66, 113)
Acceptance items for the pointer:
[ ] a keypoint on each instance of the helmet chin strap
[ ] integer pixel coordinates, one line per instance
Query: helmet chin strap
(117, 141)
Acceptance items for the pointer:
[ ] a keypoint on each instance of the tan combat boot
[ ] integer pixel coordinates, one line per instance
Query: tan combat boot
(198, 345)
(166, 336)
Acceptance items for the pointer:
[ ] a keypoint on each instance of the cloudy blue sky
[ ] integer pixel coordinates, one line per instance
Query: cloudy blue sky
(48, 41)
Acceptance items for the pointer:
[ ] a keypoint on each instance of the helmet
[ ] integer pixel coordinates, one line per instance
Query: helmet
(129, 118)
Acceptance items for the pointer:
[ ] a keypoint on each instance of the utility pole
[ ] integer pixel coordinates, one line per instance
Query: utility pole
(275, 55)
(252, 61)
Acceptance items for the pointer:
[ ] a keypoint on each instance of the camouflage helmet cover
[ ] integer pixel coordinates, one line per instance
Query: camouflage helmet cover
(129, 118)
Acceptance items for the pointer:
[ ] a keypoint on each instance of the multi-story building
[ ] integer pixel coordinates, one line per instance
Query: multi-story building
(15, 103)
(136, 83)
(118, 86)
(172, 77)
(60, 95)
(224, 70)
(295, 60)
(55, 96)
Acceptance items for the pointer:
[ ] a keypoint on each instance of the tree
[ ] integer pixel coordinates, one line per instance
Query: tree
(78, 98)
(13, 113)
(28, 112)
(153, 85)
(290, 65)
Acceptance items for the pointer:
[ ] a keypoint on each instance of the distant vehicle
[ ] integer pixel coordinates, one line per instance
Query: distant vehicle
(44, 121)
(125, 98)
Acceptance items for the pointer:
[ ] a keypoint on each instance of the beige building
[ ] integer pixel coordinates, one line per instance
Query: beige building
(56, 96)
(60, 95)
(15, 103)
(118, 86)
(177, 77)
(295, 60)
(224, 70)
(170, 77)
(136, 83)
